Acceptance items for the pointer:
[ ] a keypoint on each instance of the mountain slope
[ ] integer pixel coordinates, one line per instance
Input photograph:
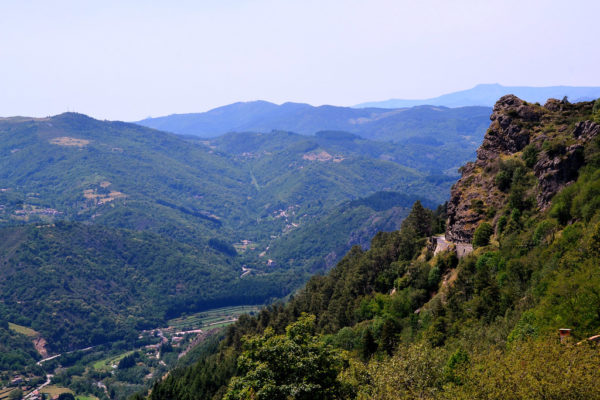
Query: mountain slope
(370, 123)
(75, 283)
(433, 154)
(123, 175)
(400, 321)
(81, 198)
(77, 167)
(487, 94)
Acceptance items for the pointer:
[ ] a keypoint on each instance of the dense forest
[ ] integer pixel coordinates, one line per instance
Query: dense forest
(111, 227)
(402, 321)
(82, 285)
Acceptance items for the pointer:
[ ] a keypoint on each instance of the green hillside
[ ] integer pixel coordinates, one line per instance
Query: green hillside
(398, 321)
(110, 227)
(434, 154)
(80, 168)
(82, 285)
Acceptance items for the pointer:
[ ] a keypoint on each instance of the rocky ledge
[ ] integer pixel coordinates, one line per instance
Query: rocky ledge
(557, 133)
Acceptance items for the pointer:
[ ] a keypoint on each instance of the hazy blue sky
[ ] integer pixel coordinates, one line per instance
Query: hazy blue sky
(132, 59)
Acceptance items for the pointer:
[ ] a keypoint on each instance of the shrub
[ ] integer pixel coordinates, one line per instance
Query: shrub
(477, 206)
(531, 370)
(542, 230)
(503, 180)
(554, 148)
(506, 172)
(501, 224)
(561, 205)
(482, 235)
(433, 278)
(530, 155)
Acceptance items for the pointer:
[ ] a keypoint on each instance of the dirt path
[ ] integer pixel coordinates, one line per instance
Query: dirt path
(245, 271)
(442, 244)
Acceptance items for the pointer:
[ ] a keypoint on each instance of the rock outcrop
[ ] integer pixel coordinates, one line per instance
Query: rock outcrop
(558, 170)
(556, 133)
(506, 133)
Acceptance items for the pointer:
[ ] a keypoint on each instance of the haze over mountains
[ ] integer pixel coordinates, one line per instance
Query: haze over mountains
(464, 112)
(488, 94)
(370, 123)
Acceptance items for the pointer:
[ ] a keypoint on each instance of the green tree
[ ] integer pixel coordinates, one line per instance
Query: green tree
(368, 345)
(296, 365)
(16, 394)
(482, 235)
(414, 372)
(388, 336)
(532, 370)
(420, 219)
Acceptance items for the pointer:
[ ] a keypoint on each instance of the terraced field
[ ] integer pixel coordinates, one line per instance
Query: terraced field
(4, 393)
(215, 318)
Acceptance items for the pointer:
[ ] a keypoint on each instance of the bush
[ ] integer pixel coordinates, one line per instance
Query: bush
(554, 148)
(531, 370)
(477, 206)
(501, 224)
(503, 180)
(561, 205)
(530, 155)
(433, 278)
(482, 235)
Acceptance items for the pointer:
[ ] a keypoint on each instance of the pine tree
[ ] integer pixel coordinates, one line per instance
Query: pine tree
(420, 219)
(368, 345)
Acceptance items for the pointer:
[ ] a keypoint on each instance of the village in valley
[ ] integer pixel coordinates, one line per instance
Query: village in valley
(100, 372)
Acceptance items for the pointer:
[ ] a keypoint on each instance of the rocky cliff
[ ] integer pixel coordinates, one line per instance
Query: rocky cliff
(528, 154)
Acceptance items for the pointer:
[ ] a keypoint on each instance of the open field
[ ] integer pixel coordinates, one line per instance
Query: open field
(70, 141)
(211, 318)
(55, 390)
(106, 363)
(5, 392)
(23, 330)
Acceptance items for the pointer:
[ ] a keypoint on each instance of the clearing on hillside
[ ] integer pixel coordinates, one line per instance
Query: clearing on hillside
(69, 141)
(22, 330)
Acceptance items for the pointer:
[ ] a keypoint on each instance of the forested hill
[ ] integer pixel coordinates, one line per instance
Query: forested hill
(403, 321)
(371, 123)
(83, 285)
(83, 199)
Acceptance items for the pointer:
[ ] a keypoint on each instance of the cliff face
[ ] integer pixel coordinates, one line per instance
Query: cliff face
(544, 144)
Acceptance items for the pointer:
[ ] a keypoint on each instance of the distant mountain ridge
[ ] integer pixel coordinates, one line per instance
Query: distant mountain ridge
(488, 94)
(370, 123)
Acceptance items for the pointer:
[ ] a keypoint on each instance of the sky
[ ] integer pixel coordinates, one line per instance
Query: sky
(127, 60)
